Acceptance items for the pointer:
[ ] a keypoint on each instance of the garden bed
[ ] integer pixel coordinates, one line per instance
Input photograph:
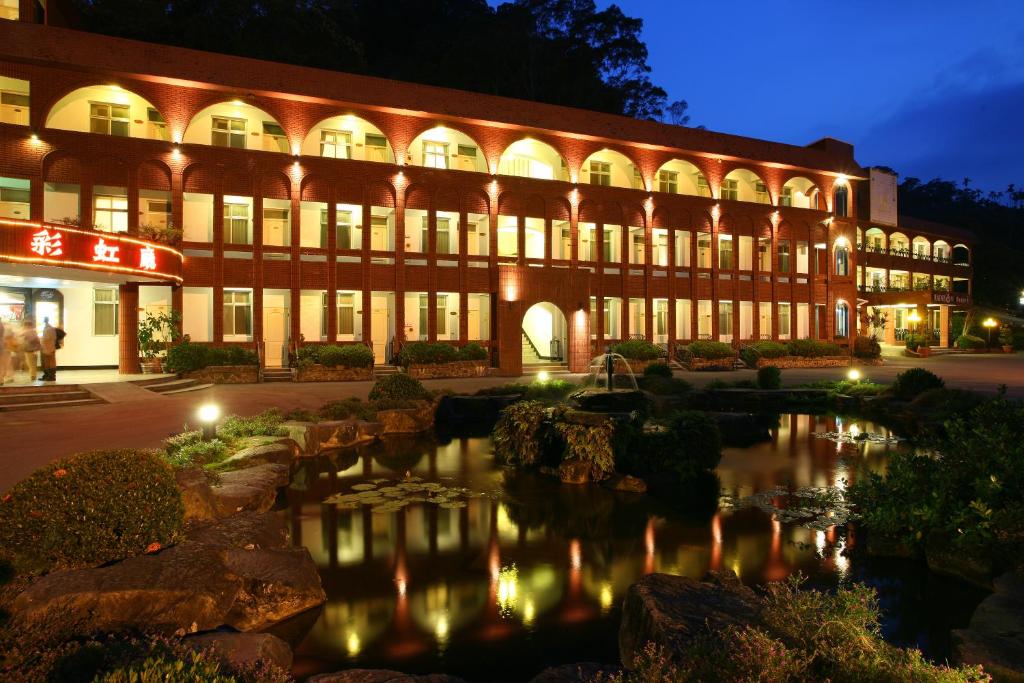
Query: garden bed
(226, 374)
(315, 372)
(637, 366)
(709, 363)
(458, 368)
(784, 362)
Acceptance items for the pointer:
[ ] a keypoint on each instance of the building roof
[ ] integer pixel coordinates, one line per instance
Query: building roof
(112, 57)
(934, 228)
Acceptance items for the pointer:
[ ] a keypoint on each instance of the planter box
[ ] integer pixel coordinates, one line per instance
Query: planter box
(226, 374)
(322, 373)
(710, 364)
(637, 366)
(459, 368)
(784, 362)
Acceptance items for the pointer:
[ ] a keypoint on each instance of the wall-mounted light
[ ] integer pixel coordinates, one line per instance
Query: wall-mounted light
(34, 138)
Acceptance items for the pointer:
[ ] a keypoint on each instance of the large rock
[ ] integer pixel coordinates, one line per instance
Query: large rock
(280, 452)
(196, 494)
(671, 611)
(243, 650)
(626, 483)
(408, 420)
(574, 471)
(381, 676)
(241, 575)
(585, 672)
(995, 636)
(249, 489)
(604, 401)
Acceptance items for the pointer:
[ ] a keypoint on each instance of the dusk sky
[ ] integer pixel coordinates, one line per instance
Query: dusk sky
(930, 88)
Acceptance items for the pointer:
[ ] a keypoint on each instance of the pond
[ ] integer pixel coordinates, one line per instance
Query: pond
(441, 561)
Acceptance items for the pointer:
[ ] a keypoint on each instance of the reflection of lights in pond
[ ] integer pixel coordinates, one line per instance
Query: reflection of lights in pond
(819, 540)
(352, 644)
(529, 612)
(854, 431)
(441, 628)
(575, 555)
(607, 597)
(508, 587)
(841, 560)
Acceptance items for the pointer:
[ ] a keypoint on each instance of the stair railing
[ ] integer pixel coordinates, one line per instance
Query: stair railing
(541, 356)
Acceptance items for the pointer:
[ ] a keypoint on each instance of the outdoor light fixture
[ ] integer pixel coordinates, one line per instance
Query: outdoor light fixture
(543, 376)
(34, 138)
(989, 324)
(853, 375)
(208, 415)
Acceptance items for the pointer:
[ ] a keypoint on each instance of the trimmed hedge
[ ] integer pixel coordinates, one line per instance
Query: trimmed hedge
(90, 508)
(637, 349)
(334, 355)
(769, 377)
(969, 341)
(710, 350)
(658, 370)
(473, 351)
(916, 341)
(427, 353)
(911, 383)
(867, 348)
(750, 353)
(188, 356)
(399, 387)
(814, 348)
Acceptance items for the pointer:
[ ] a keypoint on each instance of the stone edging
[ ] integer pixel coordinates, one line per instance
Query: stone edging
(804, 362)
(316, 372)
(458, 368)
(226, 374)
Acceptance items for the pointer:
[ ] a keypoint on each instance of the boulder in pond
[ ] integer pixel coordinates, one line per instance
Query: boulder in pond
(249, 489)
(574, 471)
(671, 611)
(280, 452)
(407, 420)
(381, 676)
(626, 483)
(243, 650)
(994, 638)
(243, 576)
(604, 401)
(196, 494)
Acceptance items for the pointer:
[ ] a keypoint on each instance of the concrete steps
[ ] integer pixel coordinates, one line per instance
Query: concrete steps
(278, 375)
(31, 397)
(175, 386)
(384, 370)
(550, 368)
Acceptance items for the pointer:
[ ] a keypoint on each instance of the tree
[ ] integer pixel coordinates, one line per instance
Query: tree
(676, 113)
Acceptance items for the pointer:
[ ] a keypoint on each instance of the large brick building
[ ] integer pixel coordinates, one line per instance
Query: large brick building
(328, 207)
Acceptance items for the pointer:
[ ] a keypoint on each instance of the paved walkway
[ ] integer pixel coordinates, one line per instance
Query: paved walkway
(30, 439)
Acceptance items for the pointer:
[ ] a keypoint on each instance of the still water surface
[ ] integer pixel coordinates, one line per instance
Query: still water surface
(531, 573)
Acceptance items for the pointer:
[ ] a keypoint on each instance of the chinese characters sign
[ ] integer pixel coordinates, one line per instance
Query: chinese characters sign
(71, 247)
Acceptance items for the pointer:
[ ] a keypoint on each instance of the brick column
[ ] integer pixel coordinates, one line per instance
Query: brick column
(128, 326)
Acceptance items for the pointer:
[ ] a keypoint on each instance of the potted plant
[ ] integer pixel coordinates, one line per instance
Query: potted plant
(157, 331)
(1006, 338)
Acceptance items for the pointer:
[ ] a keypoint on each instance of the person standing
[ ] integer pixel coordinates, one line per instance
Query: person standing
(48, 350)
(30, 347)
(5, 355)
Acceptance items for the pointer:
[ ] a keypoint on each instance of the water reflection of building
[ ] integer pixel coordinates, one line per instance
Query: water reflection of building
(428, 578)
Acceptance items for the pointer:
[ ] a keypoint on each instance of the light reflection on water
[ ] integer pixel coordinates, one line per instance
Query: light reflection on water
(534, 573)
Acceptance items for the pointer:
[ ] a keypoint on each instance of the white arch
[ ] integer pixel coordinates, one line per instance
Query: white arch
(679, 176)
(348, 136)
(442, 147)
(921, 247)
(108, 110)
(744, 185)
(799, 192)
(545, 326)
(608, 167)
(239, 125)
(529, 158)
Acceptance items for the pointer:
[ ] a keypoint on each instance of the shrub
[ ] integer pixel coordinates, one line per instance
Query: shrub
(936, 406)
(517, 435)
(971, 497)
(90, 508)
(866, 347)
(388, 404)
(679, 448)
(769, 378)
(916, 341)
(666, 386)
(813, 348)
(347, 409)
(909, 383)
(765, 349)
(637, 349)
(969, 341)
(593, 444)
(551, 390)
(198, 452)
(347, 356)
(1006, 336)
(398, 386)
(427, 353)
(267, 423)
(658, 370)
(710, 350)
(188, 356)
(473, 351)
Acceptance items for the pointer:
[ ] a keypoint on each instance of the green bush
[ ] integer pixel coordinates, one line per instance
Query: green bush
(813, 348)
(198, 452)
(398, 386)
(473, 351)
(1006, 336)
(518, 438)
(970, 497)
(347, 409)
(346, 356)
(658, 370)
(427, 353)
(637, 349)
(936, 406)
(551, 390)
(909, 383)
(188, 356)
(709, 350)
(769, 378)
(267, 423)
(764, 349)
(90, 508)
(665, 386)
(866, 348)
(969, 341)
(678, 448)
(593, 444)
(915, 341)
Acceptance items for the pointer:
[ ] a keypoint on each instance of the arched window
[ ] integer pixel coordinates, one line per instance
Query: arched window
(744, 186)
(441, 147)
(799, 192)
(528, 158)
(681, 177)
(238, 125)
(610, 168)
(842, 320)
(348, 137)
(842, 258)
(107, 110)
(841, 201)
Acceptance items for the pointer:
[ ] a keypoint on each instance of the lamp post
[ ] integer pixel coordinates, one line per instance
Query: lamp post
(989, 324)
(208, 415)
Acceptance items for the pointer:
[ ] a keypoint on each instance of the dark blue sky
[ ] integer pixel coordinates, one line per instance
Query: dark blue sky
(928, 87)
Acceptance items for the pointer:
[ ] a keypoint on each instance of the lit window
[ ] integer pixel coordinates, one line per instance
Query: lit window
(9, 9)
(787, 197)
(343, 226)
(336, 144)
(841, 199)
(842, 261)
(783, 257)
(600, 173)
(668, 181)
(435, 154)
(376, 147)
(237, 313)
(784, 320)
(764, 253)
(703, 250)
(346, 313)
(236, 223)
(156, 127)
(730, 189)
(842, 320)
(109, 119)
(274, 139)
(104, 312)
(703, 189)
(228, 132)
(111, 213)
(760, 193)
(276, 227)
(14, 107)
(725, 252)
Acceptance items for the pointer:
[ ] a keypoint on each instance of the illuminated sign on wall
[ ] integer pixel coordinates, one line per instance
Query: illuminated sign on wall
(71, 247)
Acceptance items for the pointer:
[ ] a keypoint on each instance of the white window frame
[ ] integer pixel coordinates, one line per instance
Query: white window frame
(600, 173)
(109, 120)
(225, 127)
(435, 154)
(668, 181)
(113, 303)
(336, 144)
(233, 302)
